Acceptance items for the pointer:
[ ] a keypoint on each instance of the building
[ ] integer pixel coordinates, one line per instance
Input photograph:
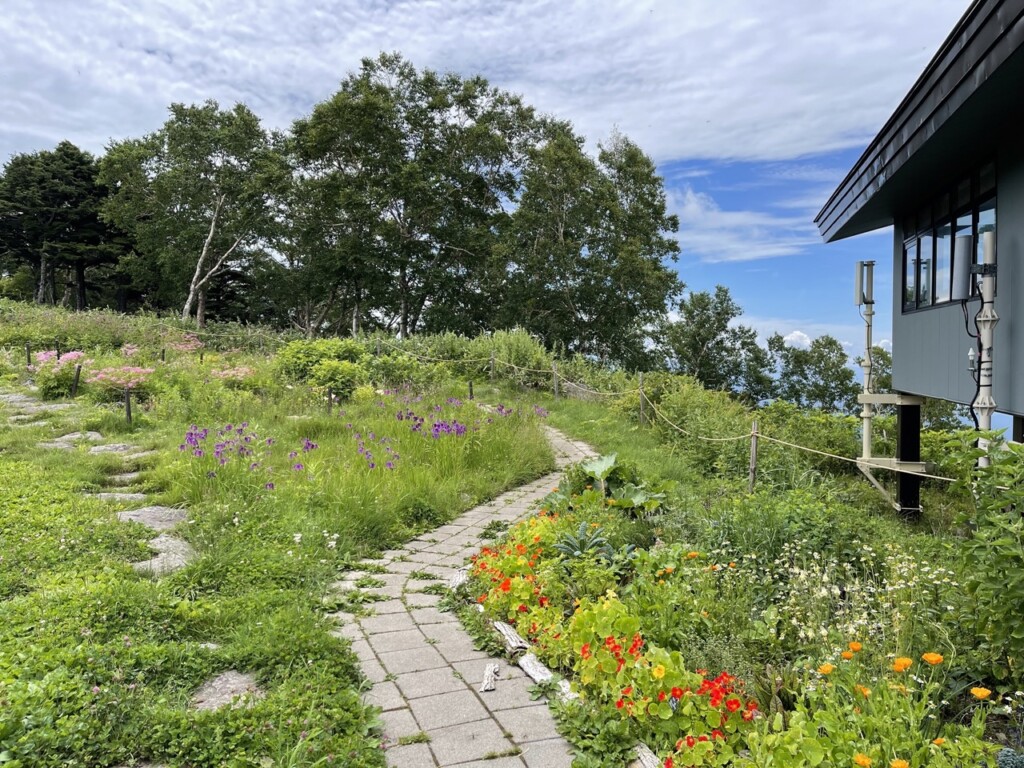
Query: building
(946, 168)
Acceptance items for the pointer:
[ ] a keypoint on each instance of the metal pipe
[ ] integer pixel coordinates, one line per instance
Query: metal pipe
(867, 269)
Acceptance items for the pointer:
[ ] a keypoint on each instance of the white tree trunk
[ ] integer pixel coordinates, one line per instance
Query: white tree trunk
(202, 276)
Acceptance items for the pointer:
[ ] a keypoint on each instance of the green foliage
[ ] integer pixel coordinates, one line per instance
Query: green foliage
(340, 376)
(296, 360)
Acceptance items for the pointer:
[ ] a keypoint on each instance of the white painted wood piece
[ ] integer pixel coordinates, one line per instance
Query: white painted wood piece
(645, 758)
(513, 640)
(490, 678)
(458, 578)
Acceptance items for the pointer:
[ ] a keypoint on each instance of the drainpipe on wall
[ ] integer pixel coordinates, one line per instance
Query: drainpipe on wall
(986, 321)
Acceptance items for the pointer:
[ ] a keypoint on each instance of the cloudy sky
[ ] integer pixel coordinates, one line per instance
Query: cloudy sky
(754, 111)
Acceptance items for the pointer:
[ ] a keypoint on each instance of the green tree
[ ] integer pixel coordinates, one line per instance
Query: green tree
(49, 219)
(413, 169)
(584, 252)
(706, 344)
(196, 196)
(816, 377)
(935, 414)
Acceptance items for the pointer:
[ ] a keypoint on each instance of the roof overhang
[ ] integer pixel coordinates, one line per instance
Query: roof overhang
(947, 123)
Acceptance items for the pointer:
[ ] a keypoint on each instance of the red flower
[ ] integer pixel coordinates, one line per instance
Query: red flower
(751, 705)
(661, 696)
(690, 741)
(544, 602)
(668, 762)
(717, 734)
(506, 585)
(482, 598)
(733, 704)
(748, 715)
(585, 651)
(619, 704)
(677, 693)
(627, 690)
(702, 738)
(522, 608)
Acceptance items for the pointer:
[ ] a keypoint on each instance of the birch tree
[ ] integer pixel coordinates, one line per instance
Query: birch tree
(196, 196)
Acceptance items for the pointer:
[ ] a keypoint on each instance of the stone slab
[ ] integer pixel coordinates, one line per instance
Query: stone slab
(468, 741)
(155, 517)
(173, 554)
(442, 709)
(228, 689)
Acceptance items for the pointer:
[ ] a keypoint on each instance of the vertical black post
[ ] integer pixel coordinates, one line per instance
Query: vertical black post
(163, 355)
(1018, 429)
(200, 357)
(471, 390)
(330, 400)
(128, 404)
(908, 448)
(28, 354)
(56, 345)
(74, 381)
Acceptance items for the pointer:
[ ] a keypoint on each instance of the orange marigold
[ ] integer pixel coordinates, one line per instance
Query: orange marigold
(826, 669)
(862, 760)
(939, 741)
(899, 764)
(863, 690)
(856, 647)
(847, 655)
(980, 693)
(902, 664)
(932, 658)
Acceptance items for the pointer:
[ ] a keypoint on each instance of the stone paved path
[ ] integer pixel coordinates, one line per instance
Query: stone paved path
(423, 666)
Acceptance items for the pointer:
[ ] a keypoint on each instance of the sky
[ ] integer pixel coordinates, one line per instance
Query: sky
(753, 111)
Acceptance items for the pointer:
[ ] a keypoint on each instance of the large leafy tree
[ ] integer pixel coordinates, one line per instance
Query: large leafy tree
(49, 219)
(412, 169)
(197, 196)
(816, 377)
(585, 250)
(705, 343)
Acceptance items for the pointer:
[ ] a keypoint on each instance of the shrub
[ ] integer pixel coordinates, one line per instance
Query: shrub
(341, 376)
(54, 376)
(297, 359)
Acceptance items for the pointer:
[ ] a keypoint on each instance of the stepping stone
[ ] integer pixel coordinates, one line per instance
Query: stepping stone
(231, 688)
(46, 408)
(155, 517)
(119, 496)
(16, 398)
(125, 478)
(112, 448)
(173, 554)
(139, 455)
(56, 446)
(22, 418)
(91, 437)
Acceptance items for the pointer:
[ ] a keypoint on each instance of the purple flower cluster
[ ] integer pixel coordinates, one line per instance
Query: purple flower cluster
(501, 410)
(367, 454)
(452, 427)
(541, 412)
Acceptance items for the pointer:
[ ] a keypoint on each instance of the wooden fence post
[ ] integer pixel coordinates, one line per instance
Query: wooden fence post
(163, 355)
(28, 354)
(752, 476)
(554, 378)
(471, 390)
(641, 387)
(128, 404)
(74, 381)
(56, 345)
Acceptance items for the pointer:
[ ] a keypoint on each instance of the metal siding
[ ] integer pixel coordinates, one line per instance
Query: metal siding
(1007, 359)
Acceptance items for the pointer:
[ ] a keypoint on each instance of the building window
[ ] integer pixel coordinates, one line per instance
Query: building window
(943, 241)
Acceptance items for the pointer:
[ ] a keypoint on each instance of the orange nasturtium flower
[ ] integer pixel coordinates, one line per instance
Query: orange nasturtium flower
(932, 658)
(902, 664)
(855, 647)
(826, 668)
(899, 764)
(980, 693)
(863, 690)
(862, 760)
(939, 741)
(847, 655)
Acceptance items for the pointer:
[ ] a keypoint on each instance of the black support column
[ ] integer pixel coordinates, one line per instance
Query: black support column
(908, 448)
(1018, 429)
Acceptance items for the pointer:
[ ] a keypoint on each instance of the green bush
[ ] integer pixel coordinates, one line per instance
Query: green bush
(341, 376)
(297, 359)
(400, 369)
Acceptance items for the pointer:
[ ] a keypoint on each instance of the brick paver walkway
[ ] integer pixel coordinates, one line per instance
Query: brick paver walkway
(426, 674)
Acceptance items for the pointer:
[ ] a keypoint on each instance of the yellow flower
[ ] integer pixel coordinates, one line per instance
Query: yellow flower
(981, 693)
(899, 764)
(863, 690)
(902, 664)
(939, 741)
(855, 646)
(658, 671)
(847, 655)
(826, 669)
(862, 760)
(932, 658)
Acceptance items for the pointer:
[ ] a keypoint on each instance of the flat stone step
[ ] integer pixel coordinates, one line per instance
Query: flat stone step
(73, 437)
(124, 478)
(140, 455)
(228, 689)
(55, 445)
(174, 553)
(115, 496)
(45, 407)
(155, 517)
(113, 448)
(17, 398)
(22, 418)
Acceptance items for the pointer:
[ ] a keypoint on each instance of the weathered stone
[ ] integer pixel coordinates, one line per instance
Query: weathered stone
(155, 517)
(173, 553)
(91, 437)
(55, 445)
(124, 478)
(112, 448)
(115, 496)
(231, 688)
(138, 455)
(16, 398)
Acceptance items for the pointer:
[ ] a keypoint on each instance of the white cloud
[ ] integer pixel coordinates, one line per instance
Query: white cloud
(702, 79)
(797, 339)
(712, 234)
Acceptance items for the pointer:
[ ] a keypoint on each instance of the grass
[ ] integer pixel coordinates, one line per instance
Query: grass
(97, 663)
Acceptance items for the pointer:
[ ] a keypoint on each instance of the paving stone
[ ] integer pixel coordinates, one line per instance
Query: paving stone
(398, 641)
(117, 496)
(385, 607)
(397, 723)
(418, 544)
(468, 741)
(91, 437)
(444, 548)
(494, 762)
(433, 712)
(552, 753)
(473, 671)
(155, 517)
(430, 615)
(395, 622)
(138, 454)
(361, 648)
(533, 723)
(125, 478)
(373, 671)
(55, 446)
(231, 688)
(414, 685)
(410, 756)
(421, 600)
(173, 553)
(404, 566)
(413, 660)
(393, 592)
(349, 631)
(461, 649)
(113, 448)
(384, 695)
(424, 557)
